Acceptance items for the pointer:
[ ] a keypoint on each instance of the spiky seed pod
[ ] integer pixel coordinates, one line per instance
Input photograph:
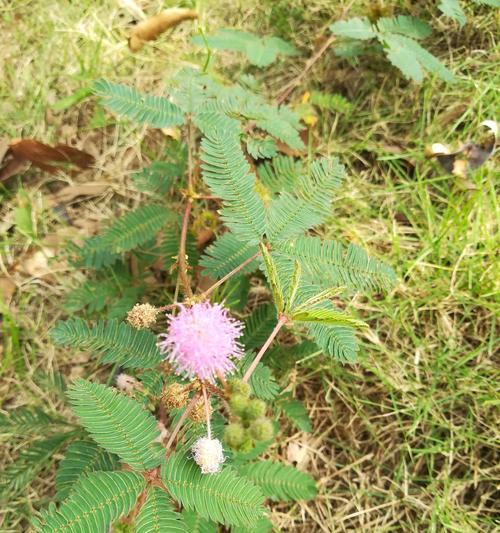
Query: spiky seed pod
(175, 395)
(237, 386)
(248, 443)
(234, 435)
(208, 454)
(255, 409)
(238, 404)
(142, 316)
(197, 414)
(261, 429)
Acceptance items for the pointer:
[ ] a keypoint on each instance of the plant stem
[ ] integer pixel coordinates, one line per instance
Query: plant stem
(181, 260)
(229, 275)
(281, 322)
(183, 417)
(207, 411)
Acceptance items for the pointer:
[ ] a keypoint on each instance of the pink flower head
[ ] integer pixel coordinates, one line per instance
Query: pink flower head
(201, 341)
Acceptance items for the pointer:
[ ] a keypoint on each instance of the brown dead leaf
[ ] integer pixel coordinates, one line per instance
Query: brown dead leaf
(7, 289)
(69, 193)
(49, 158)
(150, 29)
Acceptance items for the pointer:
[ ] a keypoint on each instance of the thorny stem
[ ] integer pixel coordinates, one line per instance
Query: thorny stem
(229, 275)
(207, 411)
(183, 417)
(281, 322)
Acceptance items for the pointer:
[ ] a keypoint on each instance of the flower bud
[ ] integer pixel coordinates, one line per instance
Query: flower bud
(255, 409)
(247, 445)
(208, 454)
(142, 316)
(175, 395)
(238, 404)
(126, 383)
(237, 386)
(234, 434)
(261, 429)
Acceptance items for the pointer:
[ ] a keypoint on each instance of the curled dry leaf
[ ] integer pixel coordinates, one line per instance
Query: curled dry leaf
(470, 155)
(298, 454)
(69, 193)
(151, 28)
(43, 156)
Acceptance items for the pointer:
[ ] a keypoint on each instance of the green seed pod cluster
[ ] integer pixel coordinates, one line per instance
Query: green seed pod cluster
(250, 423)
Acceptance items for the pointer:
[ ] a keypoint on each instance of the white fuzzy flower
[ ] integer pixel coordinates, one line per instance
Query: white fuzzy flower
(208, 454)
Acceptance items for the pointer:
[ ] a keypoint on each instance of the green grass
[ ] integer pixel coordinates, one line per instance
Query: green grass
(407, 439)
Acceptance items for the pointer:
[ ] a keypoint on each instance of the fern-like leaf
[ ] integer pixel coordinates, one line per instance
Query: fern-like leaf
(223, 497)
(142, 108)
(262, 148)
(453, 9)
(32, 459)
(226, 171)
(81, 458)
(332, 102)
(404, 25)
(117, 423)
(280, 482)
(258, 326)
(336, 341)
(136, 228)
(296, 412)
(225, 254)
(99, 499)
(282, 174)
(330, 263)
(25, 420)
(121, 343)
(354, 28)
(158, 516)
(197, 524)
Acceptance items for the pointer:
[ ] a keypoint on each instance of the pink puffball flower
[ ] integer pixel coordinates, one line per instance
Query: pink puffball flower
(201, 341)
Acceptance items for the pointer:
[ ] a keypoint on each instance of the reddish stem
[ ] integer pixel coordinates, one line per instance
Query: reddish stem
(182, 250)
(183, 417)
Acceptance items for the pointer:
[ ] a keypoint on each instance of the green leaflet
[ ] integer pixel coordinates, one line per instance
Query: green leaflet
(354, 28)
(328, 317)
(272, 276)
(158, 516)
(226, 171)
(296, 412)
(453, 9)
(337, 341)
(121, 343)
(196, 524)
(142, 108)
(280, 482)
(81, 458)
(260, 51)
(118, 423)
(99, 499)
(224, 497)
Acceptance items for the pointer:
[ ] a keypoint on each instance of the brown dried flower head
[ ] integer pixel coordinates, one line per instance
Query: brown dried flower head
(198, 413)
(142, 316)
(175, 395)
